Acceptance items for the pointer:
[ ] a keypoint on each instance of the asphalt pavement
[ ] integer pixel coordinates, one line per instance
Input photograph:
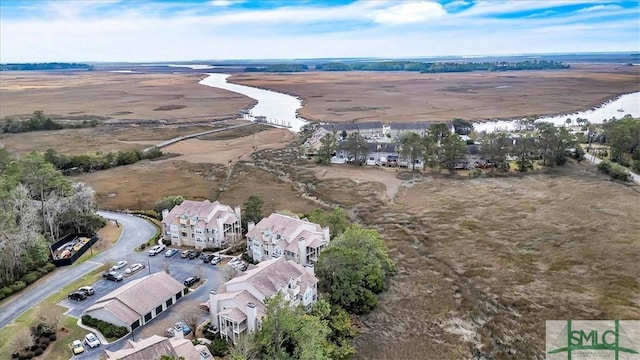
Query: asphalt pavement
(135, 231)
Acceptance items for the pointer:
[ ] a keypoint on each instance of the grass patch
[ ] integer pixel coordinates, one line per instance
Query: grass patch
(28, 319)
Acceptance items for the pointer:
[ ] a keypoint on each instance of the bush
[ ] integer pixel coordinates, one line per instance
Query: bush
(604, 167)
(619, 173)
(17, 286)
(53, 337)
(107, 329)
(49, 267)
(636, 166)
(31, 277)
(38, 352)
(218, 347)
(45, 341)
(475, 173)
(6, 291)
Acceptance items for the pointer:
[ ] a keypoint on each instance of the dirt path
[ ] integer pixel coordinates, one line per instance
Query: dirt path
(385, 176)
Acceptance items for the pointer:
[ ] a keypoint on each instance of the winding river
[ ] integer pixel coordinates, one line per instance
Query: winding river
(281, 109)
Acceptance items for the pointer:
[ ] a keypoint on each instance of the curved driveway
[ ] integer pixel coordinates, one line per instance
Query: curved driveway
(135, 231)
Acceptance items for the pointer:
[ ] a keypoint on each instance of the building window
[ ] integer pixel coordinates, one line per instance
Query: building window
(169, 302)
(158, 310)
(147, 317)
(178, 295)
(135, 324)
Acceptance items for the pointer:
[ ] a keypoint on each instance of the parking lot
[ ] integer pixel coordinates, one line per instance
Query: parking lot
(179, 268)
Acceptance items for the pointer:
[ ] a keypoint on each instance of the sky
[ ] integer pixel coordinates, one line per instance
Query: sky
(171, 30)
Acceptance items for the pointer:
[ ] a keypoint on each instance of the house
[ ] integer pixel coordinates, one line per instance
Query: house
(419, 127)
(283, 235)
(237, 306)
(202, 224)
(383, 154)
(156, 346)
(368, 130)
(313, 143)
(139, 301)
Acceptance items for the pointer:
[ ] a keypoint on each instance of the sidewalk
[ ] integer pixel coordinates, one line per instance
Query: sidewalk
(98, 334)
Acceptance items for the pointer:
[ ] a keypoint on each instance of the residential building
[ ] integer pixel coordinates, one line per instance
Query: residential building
(202, 224)
(156, 346)
(139, 301)
(288, 236)
(238, 306)
(367, 130)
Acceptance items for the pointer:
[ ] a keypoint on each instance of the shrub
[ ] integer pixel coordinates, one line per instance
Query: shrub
(17, 286)
(45, 341)
(604, 167)
(31, 277)
(53, 337)
(636, 165)
(619, 173)
(38, 352)
(14, 355)
(107, 329)
(6, 291)
(218, 347)
(475, 173)
(49, 267)
(43, 346)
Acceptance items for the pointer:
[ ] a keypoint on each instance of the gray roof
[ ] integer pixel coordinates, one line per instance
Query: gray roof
(409, 126)
(352, 126)
(383, 147)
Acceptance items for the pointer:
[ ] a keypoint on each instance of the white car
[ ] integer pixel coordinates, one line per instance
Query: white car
(156, 250)
(134, 268)
(91, 340)
(215, 260)
(119, 265)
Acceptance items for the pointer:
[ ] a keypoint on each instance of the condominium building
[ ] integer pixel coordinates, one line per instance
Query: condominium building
(238, 306)
(202, 224)
(287, 236)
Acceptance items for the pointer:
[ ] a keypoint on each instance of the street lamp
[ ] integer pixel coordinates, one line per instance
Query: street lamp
(149, 266)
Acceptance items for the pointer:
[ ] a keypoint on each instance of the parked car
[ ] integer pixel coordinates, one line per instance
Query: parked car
(91, 340)
(171, 252)
(204, 306)
(76, 347)
(211, 329)
(207, 257)
(179, 326)
(185, 253)
(119, 265)
(113, 276)
(215, 259)
(191, 280)
(77, 295)
(134, 268)
(87, 290)
(193, 254)
(156, 250)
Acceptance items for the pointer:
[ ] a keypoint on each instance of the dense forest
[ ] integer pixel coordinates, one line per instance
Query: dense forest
(37, 206)
(442, 67)
(45, 66)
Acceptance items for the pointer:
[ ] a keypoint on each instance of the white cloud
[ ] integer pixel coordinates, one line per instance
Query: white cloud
(456, 4)
(225, 3)
(409, 12)
(601, 8)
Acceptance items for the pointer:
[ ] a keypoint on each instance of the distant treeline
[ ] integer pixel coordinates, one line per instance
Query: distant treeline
(44, 66)
(70, 164)
(442, 67)
(39, 121)
(278, 68)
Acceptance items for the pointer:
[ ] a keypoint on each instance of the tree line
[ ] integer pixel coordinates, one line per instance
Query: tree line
(623, 138)
(278, 68)
(99, 160)
(441, 148)
(37, 206)
(442, 67)
(45, 66)
(37, 122)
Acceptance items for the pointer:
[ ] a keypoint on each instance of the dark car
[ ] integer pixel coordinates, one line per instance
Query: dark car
(207, 258)
(113, 276)
(193, 254)
(77, 295)
(191, 280)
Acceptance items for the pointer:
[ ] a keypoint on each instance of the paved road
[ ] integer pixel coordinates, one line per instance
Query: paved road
(591, 157)
(136, 231)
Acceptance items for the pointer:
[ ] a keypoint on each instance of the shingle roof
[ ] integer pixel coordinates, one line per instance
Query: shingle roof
(150, 348)
(202, 210)
(234, 314)
(353, 126)
(138, 297)
(407, 126)
(289, 228)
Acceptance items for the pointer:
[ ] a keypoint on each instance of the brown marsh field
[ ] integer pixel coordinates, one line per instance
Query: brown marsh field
(482, 262)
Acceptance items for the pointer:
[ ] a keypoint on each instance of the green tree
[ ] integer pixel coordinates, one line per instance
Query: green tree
(342, 331)
(462, 127)
(623, 137)
(252, 210)
(357, 149)
(336, 220)
(328, 147)
(439, 131)
(288, 332)
(452, 148)
(167, 203)
(411, 148)
(495, 148)
(523, 149)
(429, 152)
(354, 269)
